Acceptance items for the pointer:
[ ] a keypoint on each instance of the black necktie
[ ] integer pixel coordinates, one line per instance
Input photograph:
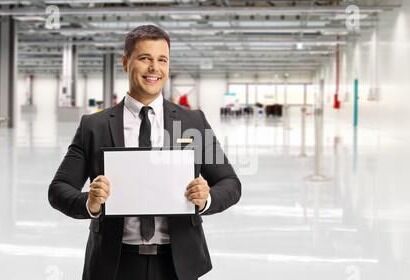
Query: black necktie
(147, 226)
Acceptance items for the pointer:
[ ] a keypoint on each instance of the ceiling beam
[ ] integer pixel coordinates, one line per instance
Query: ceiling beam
(202, 11)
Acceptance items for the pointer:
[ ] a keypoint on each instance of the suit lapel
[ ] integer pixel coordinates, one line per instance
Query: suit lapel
(169, 118)
(116, 123)
(170, 115)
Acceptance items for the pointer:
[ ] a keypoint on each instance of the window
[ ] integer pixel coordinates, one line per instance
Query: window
(236, 92)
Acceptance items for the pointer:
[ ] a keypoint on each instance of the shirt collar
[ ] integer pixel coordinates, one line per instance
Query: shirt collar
(134, 106)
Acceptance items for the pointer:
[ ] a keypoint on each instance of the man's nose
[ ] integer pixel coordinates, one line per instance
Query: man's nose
(153, 66)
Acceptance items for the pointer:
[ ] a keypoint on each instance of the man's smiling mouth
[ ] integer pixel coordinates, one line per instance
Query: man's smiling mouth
(150, 78)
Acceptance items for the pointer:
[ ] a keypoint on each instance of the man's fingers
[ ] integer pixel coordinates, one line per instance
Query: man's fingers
(203, 195)
(198, 195)
(101, 185)
(99, 193)
(197, 180)
(101, 200)
(194, 188)
(102, 178)
(98, 199)
(194, 185)
(197, 189)
(100, 189)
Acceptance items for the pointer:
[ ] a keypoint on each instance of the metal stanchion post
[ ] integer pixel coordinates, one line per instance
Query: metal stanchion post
(303, 126)
(319, 105)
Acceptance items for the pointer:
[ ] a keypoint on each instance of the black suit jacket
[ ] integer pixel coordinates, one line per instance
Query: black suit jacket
(84, 159)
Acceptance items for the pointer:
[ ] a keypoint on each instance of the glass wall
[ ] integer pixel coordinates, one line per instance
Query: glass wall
(268, 94)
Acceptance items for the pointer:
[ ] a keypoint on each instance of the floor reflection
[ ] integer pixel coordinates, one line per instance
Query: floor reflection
(354, 226)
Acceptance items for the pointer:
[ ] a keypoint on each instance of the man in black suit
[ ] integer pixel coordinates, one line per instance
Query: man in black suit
(172, 247)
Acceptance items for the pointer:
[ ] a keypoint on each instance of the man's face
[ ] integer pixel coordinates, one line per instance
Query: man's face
(147, 68)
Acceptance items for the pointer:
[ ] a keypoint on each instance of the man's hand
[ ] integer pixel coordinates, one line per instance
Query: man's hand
(198, 191)
(100, 190)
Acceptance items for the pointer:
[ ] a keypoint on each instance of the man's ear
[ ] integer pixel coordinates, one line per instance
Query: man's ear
(124, 63)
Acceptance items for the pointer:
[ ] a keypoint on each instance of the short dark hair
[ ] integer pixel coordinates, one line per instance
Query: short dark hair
(144, 32)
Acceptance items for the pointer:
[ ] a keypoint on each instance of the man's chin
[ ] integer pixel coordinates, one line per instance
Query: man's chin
(145, 94)
(153, 94)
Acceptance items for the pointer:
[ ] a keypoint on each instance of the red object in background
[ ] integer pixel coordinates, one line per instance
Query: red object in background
(336, 102)
(183, 101)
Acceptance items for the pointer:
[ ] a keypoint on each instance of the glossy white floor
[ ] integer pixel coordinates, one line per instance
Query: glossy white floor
(354, 226)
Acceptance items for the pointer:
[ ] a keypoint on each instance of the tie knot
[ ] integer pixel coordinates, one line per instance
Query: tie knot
(144, 112)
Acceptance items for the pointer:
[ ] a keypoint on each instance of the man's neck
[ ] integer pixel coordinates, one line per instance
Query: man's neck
(146, 100)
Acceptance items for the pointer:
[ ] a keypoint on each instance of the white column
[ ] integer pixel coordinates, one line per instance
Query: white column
(8, 70)
(68, 90)
(108, 79)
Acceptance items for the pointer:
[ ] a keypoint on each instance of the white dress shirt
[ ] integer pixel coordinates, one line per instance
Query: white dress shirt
(132, 122)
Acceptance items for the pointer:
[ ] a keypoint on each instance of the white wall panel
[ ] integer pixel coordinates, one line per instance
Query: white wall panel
(45, 94)
(211, 93)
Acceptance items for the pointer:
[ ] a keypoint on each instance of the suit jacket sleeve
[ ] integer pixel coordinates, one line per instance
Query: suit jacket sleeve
(64, 192)
(222, 179)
